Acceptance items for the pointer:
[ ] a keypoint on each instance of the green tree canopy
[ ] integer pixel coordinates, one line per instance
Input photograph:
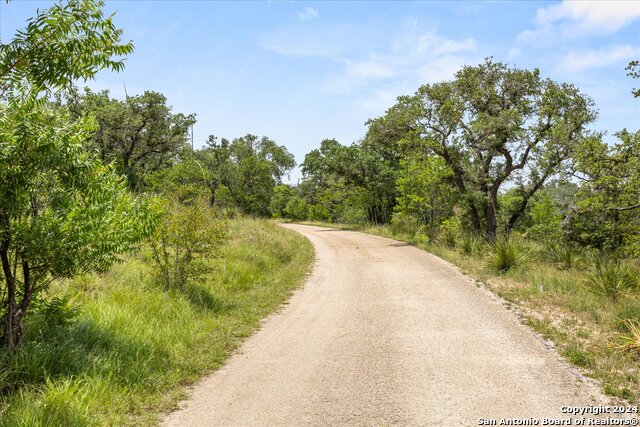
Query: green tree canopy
(494, 125)
(248, 167)
(61, 210)
(140, 134)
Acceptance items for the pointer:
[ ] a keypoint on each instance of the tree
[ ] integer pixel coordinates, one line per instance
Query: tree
(61, 210)
(358, 176)
(328, 179)
(424, 190)
(249, 167)
(494, 125)
(140, 135)
(187, 238)
(634, 72)
(607, 210)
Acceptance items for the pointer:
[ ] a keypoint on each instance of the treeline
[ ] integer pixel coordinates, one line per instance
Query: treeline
(494, 151)
(86, 178)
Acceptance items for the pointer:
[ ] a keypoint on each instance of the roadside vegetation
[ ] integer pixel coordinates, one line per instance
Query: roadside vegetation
(117, 349)
(498, 171)
(133, 262)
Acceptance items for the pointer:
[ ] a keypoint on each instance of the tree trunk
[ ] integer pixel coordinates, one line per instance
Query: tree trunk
(490, 212)
(12, 321)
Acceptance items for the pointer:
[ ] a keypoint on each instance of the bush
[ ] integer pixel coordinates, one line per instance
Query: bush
(562, 256)
(448, 232)
(631, 340)
(318, 213)
(402, 223)
(296, 209)
(187, 237)
(352, 215)
(507, 253)
(470, 243)
(611, 279)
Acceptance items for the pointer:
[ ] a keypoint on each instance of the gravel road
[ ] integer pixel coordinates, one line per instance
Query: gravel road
(386, 334)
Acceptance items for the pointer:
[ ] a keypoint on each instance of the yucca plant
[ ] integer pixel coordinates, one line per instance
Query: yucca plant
(507, 253)
(631, 340)
(470, 244)
(611, 279)
(562, 256)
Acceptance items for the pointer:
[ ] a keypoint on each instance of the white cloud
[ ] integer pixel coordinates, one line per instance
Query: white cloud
(514, 52)
(368, 69)
(578, 61)
(442, 68)
(373, 69)
(435, 45)
(609, 16)
(308, 13)
(579, 18)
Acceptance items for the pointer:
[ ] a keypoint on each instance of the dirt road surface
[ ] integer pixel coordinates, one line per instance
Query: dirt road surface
(386, 334)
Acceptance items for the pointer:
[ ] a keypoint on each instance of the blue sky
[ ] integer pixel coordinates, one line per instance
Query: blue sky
(299, 72)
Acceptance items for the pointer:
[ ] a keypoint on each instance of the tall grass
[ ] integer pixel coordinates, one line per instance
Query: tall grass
(129, 353)
(507, 253)
(471, 244)
(631, 340)
(611, 279)
(562, 256)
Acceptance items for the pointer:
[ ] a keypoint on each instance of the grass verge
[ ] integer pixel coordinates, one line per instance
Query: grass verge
(593, 331)
(127, 356)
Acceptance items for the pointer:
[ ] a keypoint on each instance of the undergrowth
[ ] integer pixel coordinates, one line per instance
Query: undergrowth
(127, 355)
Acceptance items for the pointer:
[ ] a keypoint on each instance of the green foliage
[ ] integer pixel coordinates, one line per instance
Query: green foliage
(611, 279)
(402, 223)
(296, 209)
(282, 194)
(127, 356)
(475, 124)
(139, 135)
(634, 71)
(188, 236)
(631, 340)
(424, 190)
(507, 253)
(249, 167)
(546, 219)
(562, 256)
(60, 45)
(470, 244)
(186, 181)
(448, 232)
(318, 213)
(352, 184)
(62, 212)
(607, 211)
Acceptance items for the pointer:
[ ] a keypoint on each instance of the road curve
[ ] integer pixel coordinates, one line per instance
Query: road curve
(386, 334)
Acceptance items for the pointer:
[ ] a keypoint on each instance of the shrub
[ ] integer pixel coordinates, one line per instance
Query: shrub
(507, 253)
(448, 232)
(631, 340)
(296, 209)
(186, 238)
(611, 279)
(562, 256)
(319, 213)
(402, 223)
(470, 244)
